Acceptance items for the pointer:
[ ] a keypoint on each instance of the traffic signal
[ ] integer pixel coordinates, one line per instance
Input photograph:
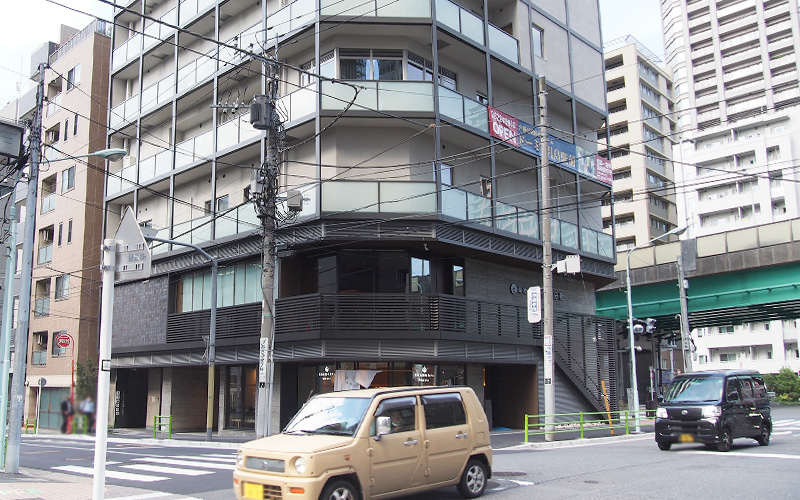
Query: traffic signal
(650, 326)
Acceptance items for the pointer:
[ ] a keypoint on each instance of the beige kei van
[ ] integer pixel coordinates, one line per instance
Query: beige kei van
(371, 444)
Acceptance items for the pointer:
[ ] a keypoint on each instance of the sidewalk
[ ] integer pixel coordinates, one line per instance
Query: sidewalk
(36, 484)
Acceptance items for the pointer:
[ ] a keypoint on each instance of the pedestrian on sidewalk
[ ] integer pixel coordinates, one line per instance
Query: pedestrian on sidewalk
(87, 408)
(66, 413)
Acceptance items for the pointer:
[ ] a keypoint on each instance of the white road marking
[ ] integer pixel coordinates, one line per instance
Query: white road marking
(155, 495)
(227, 459)
(782, 433)
(171, 461)
(126, 476)
(742, 454)
(167, 470)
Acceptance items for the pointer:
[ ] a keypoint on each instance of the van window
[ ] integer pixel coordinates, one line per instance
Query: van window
(697, 388)
(443, 410)
(731, 386)
(747, 388)
(400, 411)
(759, 389)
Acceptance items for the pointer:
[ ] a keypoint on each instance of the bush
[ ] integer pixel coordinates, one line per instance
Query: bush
(785, 384)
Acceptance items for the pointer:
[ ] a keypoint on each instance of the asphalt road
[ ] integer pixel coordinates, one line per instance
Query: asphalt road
(631, 467)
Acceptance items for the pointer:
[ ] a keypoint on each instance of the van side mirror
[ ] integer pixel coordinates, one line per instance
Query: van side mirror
(733, 396)
(383, 425)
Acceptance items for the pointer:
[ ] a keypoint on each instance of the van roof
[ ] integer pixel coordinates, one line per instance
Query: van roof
(372, 392)
(720, 373)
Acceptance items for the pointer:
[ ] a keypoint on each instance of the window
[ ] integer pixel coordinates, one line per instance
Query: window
(66, 129)
(69, 231)
(401, 411)
(420, 276)
(446, 173)
(222, 204)
(421, 69)
(236, 284)
(60, 232)
(624, 174)
(482, 99)
(46, 245)
(443, 410)
(56, 350)
(326, 69)
(703, 359)
(62, 286)
(75, 125)
(538, 41)
(659, 224)
(725, 329)
(74, 77)
(39, 349)
(356, 64)
(458, 280)
(727, 358)
(68, 179)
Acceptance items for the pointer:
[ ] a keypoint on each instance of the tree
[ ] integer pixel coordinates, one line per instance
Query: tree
(785, 384)
(85, 379)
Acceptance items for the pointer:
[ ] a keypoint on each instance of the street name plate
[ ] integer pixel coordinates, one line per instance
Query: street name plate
(133, 254)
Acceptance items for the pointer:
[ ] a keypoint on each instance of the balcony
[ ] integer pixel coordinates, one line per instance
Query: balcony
(300, 13)
(782, 61)
(472, 207)
(121, 180)
(340, 197)
(779, 27)
(45, 254)
(48, 203)
(704, 51)
(240, 220)
(516, 220)
(463, 109)
(196, 148)
(195, 232)
(384, 96)
(158, 93)
(739, 40)
(755, 69)
(197, 71)
(470, 26)
(786, 95)
(126, 51)
(155, 166)
(190, 8)
(235, 131)
(733, 9)
(705, 18)
(302, 103)
(54, 104)
(708, 115)
(158, 31)
(124, 112)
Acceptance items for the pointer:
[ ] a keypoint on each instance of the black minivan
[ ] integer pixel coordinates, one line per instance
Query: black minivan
(714, 407)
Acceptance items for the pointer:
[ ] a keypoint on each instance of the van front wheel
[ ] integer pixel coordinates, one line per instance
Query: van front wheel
(763, 437)
(339, 490)
(725, 440)
(473, 480)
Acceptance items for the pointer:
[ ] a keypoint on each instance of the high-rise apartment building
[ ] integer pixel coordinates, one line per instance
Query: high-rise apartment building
(640, 130)
(410, 135)
(736, 92)
(69, 214)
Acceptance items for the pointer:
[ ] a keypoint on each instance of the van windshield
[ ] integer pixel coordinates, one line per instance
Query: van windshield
(694, 390)
(337, 416)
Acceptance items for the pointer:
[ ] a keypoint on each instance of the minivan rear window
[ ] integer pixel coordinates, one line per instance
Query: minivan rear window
(694, 389)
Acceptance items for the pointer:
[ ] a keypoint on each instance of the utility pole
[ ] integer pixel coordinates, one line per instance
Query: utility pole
(8, 312)
(264, 191)
(686, 344)
(21, 345)
(547, 271)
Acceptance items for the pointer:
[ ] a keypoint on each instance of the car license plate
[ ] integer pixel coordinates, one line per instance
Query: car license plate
(687, 438)
(252, 490)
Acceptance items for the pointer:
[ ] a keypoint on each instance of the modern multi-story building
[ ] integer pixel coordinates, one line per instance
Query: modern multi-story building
(69, 215)
(736, 92)
(640, 127)
(420, 223)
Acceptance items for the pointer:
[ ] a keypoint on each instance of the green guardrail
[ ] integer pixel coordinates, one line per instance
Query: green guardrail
(162, 423)
(616, 423)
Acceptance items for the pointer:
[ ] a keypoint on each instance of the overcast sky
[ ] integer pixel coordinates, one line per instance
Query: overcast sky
(29, 23)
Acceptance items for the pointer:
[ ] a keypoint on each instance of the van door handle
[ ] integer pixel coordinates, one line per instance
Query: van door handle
(410, 442)
(461, 435)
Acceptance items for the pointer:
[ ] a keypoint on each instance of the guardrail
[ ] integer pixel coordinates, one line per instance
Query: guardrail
(614, 423)
(162, 423)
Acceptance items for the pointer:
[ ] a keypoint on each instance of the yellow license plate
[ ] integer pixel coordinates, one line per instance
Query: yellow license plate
(252, 490)
(687, 438)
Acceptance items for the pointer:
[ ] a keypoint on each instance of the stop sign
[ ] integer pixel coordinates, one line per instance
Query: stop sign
(62, 340)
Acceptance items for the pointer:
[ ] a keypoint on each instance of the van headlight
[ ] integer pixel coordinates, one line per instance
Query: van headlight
(300, 465)
(711, 411)
(661, 412)
(240, 459)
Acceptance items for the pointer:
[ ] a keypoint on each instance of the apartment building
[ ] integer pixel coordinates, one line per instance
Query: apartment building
(69, 215)
(410, 132)
(736, 92)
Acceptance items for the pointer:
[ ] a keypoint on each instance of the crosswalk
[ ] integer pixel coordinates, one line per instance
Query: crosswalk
(152, 469)
(786, 427)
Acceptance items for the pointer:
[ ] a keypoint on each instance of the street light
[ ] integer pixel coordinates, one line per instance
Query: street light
(634, 384)
(113, 154)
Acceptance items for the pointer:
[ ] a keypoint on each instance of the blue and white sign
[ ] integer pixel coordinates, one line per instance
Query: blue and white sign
(534, 304)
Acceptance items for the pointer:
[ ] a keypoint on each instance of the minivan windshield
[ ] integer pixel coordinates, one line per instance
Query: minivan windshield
(694, 390)
(337, 416)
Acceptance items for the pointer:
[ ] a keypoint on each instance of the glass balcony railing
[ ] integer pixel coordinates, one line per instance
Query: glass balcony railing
(155, 166)
(598, 243)
(387, 96)
(240, 220)
(190, 8)
(45, 254)
(158, 93)
(48, 203)
(197, 71)
(121, 180)
(517, 220)
(42, 306)
(466, 206)
(379, 197)
(125, 112)
(299, 104)
(195, 231)
(376, 8)
(196, 148)
(251, 39)
(126, 51)
(460, 20)
(235, 131)
(156, 247)
(158, 31)
(463, 109)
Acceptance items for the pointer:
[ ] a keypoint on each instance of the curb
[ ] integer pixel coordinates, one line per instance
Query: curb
(578, 442)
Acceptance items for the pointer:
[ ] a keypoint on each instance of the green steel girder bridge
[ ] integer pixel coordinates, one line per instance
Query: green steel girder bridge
(742, 276)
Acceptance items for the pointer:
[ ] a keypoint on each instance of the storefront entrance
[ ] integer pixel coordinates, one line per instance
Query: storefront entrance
(241, 407)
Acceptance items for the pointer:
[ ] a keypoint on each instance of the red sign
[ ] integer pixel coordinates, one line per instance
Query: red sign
(63, 340)
(603, 171)
(503, 126)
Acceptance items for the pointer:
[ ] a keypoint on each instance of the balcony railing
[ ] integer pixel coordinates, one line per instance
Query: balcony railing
(39, 358)
(385, 96)
(155, 166)
(45, 254)
(375, 8)
(126, 51)
(340, 197)
(157, 31)
(299, 104)
(196, 148)
(48, 203)
(190, 8)
(120, 180)
(197, 71)
(240, 220)
(463, 109)
(54, 104)
(158, 93)
(235, 131)
(125, 112)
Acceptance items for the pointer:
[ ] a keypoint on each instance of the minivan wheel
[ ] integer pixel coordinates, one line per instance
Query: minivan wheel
(473, 480)
(339, 490)
(725, 440)
(763, 437)
(664, 446)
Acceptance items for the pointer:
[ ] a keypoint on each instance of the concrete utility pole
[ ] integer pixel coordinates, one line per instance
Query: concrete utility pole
(547, 272)
(8, 313)
(686, 335)
(264, 191)
(21, 345)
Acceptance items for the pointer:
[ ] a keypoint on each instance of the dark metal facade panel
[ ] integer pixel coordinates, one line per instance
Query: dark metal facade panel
(232, 322)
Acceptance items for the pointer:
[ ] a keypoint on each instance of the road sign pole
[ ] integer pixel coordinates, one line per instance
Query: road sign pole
(104, 371)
